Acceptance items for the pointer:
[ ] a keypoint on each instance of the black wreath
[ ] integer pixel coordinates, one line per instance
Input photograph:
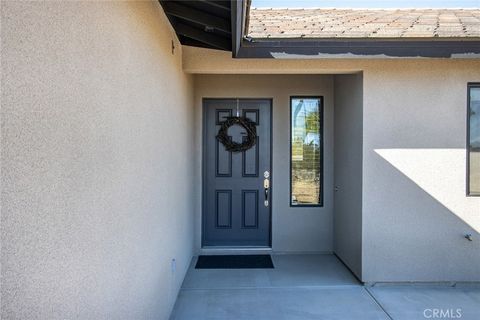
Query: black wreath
(232, 146)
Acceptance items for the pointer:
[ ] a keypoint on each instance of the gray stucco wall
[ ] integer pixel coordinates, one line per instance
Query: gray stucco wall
(293, 229)
(97, 129)
(348, 170)
(415, 208)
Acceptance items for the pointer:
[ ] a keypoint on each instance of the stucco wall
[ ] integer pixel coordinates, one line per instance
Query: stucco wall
(415, 212)
(97, 128)
(348, 153)
(415, 209)
(293, 229)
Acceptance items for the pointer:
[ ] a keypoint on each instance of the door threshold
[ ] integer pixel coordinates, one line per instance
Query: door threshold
(237, 248)
(234, 250)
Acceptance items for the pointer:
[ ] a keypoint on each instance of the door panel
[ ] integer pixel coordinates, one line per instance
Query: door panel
(234, 212)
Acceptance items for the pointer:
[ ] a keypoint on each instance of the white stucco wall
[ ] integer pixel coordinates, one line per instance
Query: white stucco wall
(415, 212)
(348, 155)
(293, 229)
(97, 129)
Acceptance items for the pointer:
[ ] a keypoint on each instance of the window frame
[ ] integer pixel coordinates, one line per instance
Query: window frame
(321, 162)
(470, 85)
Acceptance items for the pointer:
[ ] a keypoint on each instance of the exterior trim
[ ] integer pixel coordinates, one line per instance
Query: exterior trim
(320, 204)
(239, 11)
(359, 48)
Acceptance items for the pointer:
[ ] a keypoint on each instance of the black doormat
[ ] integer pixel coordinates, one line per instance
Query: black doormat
(263, 261)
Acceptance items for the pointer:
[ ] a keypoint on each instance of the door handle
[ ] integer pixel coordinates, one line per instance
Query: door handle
(266, 198)
(266, 186)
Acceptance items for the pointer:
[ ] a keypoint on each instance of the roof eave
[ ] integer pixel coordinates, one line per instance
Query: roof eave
(310, 48)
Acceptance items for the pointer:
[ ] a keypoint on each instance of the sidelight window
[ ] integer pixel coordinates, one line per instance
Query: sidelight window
(306, 151)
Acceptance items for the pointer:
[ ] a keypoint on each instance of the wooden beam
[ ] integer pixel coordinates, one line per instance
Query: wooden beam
(217, 4)
(202, 36)
(184, 12)
(192, 42)
(210, 7)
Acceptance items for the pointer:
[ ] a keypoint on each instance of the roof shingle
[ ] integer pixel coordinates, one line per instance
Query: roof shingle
(364, 23)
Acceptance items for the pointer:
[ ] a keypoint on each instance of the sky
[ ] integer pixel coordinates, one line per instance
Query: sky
(366, 3)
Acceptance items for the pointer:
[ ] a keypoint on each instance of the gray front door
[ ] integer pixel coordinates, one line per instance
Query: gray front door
(235, 210)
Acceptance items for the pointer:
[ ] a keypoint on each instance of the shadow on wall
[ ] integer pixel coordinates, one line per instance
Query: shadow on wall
(425, 215)
(436, 171)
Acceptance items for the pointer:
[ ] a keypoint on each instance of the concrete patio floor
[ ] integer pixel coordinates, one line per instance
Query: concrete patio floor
(313, 287)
